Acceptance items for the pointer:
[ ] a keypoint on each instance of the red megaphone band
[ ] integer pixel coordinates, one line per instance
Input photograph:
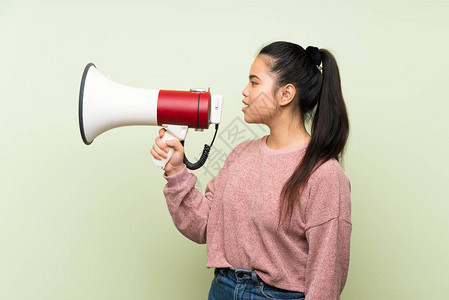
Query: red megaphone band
(190, 108)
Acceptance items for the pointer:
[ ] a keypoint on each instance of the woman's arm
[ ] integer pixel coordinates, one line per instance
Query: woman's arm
(188, 207)
(328, 233)
(328, 259)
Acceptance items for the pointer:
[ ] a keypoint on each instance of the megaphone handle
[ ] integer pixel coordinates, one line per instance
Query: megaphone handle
(172, 132)
(161, 163)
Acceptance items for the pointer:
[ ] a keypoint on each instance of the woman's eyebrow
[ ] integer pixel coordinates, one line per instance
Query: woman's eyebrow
(253, 76)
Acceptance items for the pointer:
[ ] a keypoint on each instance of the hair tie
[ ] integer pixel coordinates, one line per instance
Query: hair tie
(314, 54)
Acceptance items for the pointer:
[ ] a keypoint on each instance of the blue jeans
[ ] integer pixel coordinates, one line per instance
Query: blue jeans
(236, 284)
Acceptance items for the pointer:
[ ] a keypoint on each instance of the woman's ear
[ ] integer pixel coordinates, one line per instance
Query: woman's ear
(287, 94)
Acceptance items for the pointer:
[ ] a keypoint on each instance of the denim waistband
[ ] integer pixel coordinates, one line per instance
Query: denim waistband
(240, 274)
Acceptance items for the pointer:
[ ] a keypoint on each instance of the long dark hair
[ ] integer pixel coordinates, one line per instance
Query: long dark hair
(320, 99)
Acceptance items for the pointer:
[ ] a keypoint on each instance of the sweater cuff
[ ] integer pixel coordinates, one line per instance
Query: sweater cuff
(177, 180)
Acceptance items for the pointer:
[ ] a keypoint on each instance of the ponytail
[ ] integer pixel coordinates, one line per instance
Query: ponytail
(330, 127)
(319, 92)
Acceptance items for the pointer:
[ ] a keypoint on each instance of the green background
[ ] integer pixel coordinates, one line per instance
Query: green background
(90, 222)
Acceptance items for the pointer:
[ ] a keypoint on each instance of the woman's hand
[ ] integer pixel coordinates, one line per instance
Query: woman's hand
(160, 150)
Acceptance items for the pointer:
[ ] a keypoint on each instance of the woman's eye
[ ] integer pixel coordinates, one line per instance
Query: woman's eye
(253, 83)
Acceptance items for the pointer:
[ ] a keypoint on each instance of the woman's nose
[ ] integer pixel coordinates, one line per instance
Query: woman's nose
(245, 92)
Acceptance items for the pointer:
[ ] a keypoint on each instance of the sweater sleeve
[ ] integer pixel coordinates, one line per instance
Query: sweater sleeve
(188, 207)
(328, 233)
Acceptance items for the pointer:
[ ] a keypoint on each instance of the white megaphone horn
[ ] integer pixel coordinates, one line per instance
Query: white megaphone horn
(104, 104)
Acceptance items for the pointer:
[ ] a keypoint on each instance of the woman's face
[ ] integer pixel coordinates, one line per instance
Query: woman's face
(258, 94)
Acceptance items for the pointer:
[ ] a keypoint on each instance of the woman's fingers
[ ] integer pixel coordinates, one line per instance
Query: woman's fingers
(155, 155)
(161, 144)
(160, 152)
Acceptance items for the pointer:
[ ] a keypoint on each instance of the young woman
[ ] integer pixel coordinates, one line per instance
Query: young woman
(276, 218)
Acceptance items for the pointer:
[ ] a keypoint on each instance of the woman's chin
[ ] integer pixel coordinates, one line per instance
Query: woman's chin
(250, 120)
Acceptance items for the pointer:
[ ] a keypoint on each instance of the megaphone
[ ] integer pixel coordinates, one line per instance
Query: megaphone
(105, 104)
